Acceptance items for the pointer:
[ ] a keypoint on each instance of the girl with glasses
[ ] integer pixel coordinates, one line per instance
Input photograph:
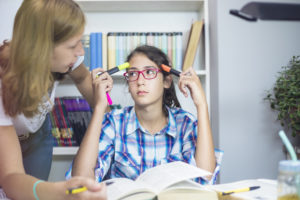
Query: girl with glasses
(153, 131)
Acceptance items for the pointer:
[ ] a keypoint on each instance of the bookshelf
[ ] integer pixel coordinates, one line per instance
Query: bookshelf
(153, 16)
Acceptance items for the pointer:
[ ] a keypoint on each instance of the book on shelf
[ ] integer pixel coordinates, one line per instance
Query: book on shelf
(267, 189)
(170, 181)
(69, 120)
(95, 50)
(111, 49)
(192, 45)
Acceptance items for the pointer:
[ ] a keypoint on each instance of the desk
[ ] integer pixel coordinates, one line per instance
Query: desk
(268, 190)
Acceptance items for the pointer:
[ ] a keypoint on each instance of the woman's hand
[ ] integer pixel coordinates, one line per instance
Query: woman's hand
(190, 81)
(94, 190)
(101, 84)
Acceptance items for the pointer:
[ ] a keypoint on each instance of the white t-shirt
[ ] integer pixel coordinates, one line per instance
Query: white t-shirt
(22, 124)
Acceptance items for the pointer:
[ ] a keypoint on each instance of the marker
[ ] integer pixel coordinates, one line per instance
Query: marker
(112, 71)
(115, 69)
(76, 190)
(170, 70)
(240, 190)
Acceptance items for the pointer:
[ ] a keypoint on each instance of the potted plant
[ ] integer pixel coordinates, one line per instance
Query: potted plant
(285, 96)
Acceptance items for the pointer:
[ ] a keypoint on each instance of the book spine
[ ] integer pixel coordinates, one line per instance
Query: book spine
(169, 37)
(178, 51)
(174, 50)
(104, 51)
(99, 50)
(111, 50)
(93, 49)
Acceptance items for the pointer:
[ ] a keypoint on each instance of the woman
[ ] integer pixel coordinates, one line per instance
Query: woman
(153, 131)
(46, 45)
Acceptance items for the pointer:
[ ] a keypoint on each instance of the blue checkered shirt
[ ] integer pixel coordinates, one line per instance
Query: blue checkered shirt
(126, 149)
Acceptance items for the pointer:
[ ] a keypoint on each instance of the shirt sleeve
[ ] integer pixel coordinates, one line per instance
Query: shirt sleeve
(106, 148)
(189, 147)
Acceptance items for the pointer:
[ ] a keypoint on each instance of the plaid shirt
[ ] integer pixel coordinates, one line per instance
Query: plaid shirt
(126, 149)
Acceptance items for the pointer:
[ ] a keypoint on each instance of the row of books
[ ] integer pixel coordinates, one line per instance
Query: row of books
(111, 49)
(69, 120)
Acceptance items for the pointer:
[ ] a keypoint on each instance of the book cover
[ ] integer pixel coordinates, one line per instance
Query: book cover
(192, 45)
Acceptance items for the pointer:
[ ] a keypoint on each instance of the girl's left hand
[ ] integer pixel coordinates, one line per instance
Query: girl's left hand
(190, 81)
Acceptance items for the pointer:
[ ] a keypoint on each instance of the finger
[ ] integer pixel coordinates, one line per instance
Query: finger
(97, 72)
(183, 87)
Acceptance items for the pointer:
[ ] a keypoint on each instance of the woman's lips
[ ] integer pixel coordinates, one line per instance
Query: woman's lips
(142, 92)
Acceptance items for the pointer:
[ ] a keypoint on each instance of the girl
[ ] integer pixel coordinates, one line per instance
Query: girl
(153, 131)
(46, 44)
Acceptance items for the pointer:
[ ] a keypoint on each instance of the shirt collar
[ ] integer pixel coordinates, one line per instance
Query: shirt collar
(134, 125)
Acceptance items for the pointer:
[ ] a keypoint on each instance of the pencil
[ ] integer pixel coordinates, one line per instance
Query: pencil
(240, 190)
(76, 190)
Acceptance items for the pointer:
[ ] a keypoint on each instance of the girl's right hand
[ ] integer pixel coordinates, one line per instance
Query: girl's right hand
(101, 84)
(95, 190)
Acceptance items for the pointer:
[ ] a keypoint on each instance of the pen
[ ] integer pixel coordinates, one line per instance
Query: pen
(112, 71)
(76, 190)
(240, 190)
(169, 69)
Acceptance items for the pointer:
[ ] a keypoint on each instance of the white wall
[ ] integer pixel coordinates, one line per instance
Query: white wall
(246, 57)
(8, 11)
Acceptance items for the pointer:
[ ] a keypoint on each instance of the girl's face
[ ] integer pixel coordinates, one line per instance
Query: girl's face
(146, 91)
(66, 54)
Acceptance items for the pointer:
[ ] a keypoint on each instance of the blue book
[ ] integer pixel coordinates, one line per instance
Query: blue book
(99, 50)
(93, 51)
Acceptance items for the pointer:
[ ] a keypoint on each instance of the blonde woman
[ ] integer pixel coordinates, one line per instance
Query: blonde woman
(46, 45)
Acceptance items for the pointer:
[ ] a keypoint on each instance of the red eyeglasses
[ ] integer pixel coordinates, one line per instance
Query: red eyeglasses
(149, 73)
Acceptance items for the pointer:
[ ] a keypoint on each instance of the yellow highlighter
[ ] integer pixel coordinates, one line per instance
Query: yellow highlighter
(76, 190)
(246, 189)
(116, 69)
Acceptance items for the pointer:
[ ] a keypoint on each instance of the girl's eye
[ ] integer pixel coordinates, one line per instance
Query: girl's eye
(131, 74)
(150, 71)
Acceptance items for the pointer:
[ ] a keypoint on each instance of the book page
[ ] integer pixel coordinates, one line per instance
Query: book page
(120, 187)
(167, 174)
(267, 190)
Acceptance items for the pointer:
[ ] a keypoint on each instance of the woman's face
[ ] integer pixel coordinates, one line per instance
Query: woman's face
(66, 54)
(146, 91)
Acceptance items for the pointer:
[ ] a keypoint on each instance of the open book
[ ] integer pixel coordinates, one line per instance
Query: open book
(169, 181)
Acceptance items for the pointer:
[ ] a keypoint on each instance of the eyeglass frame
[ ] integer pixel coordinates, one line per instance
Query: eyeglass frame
(142, 72)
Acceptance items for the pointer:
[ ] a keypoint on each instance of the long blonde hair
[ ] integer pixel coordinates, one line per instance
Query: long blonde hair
(39, 26)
